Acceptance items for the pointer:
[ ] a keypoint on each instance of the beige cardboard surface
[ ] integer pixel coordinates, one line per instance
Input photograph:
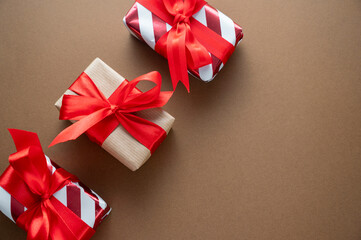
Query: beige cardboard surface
(268, 150)
(120, 144)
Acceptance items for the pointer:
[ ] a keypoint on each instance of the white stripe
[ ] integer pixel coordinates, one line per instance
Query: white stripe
(169, 27)
(146, 25)
(221, 66)
(201, 16)
(227, 28)
(61, 196)
(102, 203)
(87, 205)
(206, 72)
(5, 203)
(49, 164)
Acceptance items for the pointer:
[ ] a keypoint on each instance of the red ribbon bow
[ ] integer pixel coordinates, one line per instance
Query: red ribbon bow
(182, 47)
(188, 43)
(29, 180)
(99, 116)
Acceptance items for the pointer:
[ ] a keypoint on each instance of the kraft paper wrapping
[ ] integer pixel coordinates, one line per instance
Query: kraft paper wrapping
(120, 143)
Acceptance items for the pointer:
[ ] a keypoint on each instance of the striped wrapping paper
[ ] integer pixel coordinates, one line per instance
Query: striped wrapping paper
(81, 200)
(148, 27)
(120, 143)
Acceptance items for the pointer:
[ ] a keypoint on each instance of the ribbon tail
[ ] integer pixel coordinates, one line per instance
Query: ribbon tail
(80, 127)
(176, 54)
(64, 224)
(36, 222)
(197, 55)
(23, 139)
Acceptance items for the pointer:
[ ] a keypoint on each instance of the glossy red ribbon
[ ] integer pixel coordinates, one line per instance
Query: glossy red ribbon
(99, 116)
(29, 180)
(188, 42)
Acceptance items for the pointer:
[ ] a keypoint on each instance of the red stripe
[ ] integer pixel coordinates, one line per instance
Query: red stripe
(212, 18)
(239, 33)
(214, 24)
(159, 27)
(73, 199)
(88, 191)
(216, 64)
(132, 21)
(98, 209)
(16, 208)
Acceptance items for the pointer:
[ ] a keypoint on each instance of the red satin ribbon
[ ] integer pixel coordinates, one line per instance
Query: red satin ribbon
(99, 116)
(188, 42)
(29, 181)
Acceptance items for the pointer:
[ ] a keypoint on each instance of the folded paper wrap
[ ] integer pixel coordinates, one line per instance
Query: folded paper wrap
(161, 23)
(44, 199)
(120, 143)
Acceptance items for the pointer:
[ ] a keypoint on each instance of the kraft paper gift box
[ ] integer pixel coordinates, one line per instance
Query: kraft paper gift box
(120, 143)
(147, 22)
(72, 201)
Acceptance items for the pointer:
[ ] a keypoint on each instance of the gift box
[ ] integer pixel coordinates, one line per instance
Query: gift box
(134, 125)
(44, 199)
(153, 21)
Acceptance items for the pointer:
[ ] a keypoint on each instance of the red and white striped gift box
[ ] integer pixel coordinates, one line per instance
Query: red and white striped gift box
(146, 26)
(81, 200)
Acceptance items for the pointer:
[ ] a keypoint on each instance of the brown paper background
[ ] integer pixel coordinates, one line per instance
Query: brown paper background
(269, 150)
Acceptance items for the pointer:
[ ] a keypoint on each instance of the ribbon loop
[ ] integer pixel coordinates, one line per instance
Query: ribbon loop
(133, 99)
(30, 165)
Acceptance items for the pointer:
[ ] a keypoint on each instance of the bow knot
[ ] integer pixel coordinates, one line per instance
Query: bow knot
(45, 197)
(180, 18)
(114, 108)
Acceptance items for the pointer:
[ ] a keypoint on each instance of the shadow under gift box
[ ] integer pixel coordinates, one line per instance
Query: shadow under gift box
(81, 200)
(120, 143)
(148, 27)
